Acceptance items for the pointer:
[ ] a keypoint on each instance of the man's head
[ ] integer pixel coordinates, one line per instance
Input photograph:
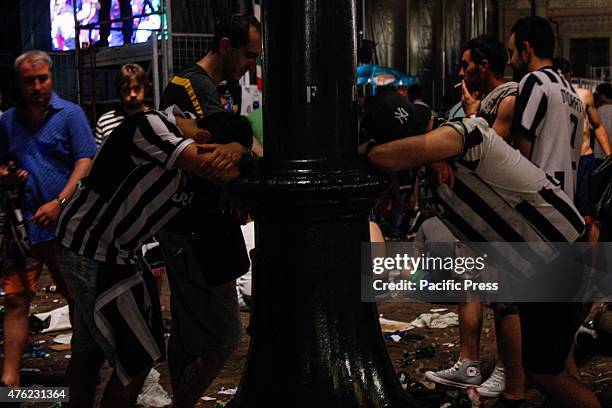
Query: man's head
(33, 69)
(531, 38)
(605, 93)
(563, 66)
(218, 127)
(483, 58)
(389, 116)
(132, 83)
(238, 43)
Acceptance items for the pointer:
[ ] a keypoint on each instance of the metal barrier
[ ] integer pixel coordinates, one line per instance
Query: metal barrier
(188, 48)
(601, 73)
(586, 83)
(64, 74)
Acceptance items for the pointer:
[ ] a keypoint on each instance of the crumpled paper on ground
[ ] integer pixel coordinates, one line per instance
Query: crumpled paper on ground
(152, 393)
(392, 326)
(429, 320)
(63, 338)
(436, 320)
(60, 319)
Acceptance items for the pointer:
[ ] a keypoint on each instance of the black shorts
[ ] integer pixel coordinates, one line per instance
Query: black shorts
(547, 334)
(586, 166)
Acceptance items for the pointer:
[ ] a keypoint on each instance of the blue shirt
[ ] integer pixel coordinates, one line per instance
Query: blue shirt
(48, 154)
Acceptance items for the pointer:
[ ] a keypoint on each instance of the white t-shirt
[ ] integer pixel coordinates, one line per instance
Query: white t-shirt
(549, 113)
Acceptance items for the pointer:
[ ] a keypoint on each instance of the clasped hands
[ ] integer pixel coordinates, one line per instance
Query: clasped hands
(219, 162)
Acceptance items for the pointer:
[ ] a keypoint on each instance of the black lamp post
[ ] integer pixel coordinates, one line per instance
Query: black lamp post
(314, 343)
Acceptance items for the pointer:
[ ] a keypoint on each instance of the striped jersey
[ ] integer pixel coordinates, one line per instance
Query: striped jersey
(132, 190)
(107, 123)
(500, 196)
(549, 113)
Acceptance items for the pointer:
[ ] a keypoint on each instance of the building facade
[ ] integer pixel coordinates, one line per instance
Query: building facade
(583, 28)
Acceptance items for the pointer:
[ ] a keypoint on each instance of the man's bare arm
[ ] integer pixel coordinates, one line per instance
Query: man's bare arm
(49, 212)
(522, 144)
(257, 148)
(413, 151)
(216, 163)
(505, 114)
(79, 171)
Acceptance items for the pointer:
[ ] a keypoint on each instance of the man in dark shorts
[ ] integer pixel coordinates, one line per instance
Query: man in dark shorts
(206, 325)
(588, 163)
(485, 164)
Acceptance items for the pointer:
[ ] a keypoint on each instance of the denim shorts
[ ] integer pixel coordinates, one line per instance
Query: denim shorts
(81, 275)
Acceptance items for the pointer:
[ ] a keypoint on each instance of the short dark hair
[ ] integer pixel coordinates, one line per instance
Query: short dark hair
(562, 65)
(227, 127)
(415, 91)
(604, 90)
(129, 71)
(538, 33)
(236, 28)
(486, 47)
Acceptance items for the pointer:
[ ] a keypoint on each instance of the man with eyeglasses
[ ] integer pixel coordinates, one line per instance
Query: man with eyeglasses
(206, 325)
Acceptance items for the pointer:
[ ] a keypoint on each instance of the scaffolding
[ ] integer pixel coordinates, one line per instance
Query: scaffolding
(87, 75)
(188, 48)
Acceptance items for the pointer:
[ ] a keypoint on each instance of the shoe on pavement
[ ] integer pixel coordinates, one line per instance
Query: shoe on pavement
(494, 386)
(463, 374)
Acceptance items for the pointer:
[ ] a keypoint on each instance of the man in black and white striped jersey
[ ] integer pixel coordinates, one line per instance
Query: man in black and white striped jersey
(548, 117)
(497, 196)
(547, 128)
(136, 185)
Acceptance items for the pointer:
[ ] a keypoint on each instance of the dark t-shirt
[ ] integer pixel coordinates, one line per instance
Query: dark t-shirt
(193, 91)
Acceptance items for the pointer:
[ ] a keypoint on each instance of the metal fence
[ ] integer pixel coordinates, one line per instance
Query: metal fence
(585, 83)
(601, 73)
(188, 48)
(64, 74)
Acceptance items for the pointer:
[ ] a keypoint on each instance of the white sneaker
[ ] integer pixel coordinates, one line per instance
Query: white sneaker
(495, 384)
(463, 374)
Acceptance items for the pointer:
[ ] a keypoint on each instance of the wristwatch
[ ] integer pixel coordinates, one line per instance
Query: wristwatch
(248, 156)
(62, 201)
